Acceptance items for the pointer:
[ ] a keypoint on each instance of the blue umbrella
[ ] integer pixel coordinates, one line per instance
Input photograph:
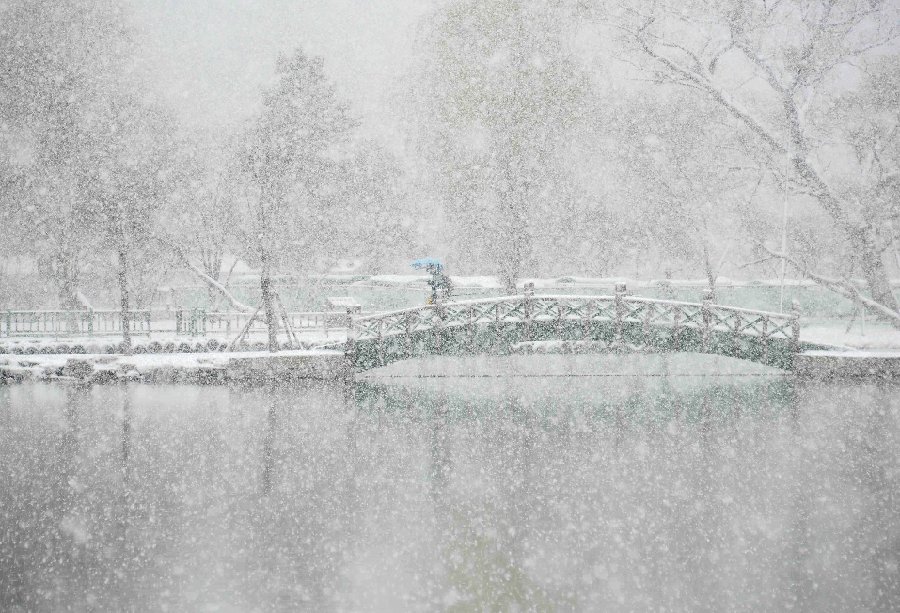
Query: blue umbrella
(427, 262)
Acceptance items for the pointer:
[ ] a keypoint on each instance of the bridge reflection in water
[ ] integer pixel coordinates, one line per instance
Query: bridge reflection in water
(502, 493)
(618, 323)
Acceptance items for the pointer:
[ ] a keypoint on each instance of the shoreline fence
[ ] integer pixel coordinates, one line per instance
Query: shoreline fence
(146, 322)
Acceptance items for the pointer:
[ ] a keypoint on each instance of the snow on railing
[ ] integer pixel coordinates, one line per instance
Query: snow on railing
(618, 309)
(56, 323)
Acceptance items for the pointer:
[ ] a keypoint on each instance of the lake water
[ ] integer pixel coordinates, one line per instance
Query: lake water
(524, 491)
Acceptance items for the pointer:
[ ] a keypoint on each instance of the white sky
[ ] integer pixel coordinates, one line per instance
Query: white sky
(210, 59)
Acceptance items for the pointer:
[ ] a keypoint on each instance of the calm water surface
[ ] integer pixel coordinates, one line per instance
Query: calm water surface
(744, 493)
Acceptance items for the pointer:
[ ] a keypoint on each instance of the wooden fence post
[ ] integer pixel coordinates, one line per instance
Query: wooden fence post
(90, 322)
(621, 290)
(8, 323)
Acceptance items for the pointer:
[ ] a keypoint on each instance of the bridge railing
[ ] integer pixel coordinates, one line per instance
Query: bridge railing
(620, 309)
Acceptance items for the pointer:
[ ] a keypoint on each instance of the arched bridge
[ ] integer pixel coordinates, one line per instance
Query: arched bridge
(616, 323)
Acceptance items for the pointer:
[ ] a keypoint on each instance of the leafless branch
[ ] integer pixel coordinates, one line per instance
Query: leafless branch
(183, 258)
(839, 286)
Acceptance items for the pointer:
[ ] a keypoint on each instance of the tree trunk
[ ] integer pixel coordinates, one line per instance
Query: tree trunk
(710, 273)
(212, 266)
(68, 284)
(125, 300)
(508, 279)
(68, 293)
(515, 241)
(265, 284)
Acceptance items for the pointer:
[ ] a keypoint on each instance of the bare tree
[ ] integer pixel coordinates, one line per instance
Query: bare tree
(777, 87)
(204, 213)
(57, 58)
(291, 156)
(503, 95)
(126, 173)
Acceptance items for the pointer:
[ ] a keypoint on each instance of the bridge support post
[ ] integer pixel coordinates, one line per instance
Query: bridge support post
(350, 348)
(706, 314)
(409, 334)
(381, 342)
(526, 308)
(587, 320)
(647, 326)
(438, 325)
(676, 332)
(795, 328)
(620, 312)
(470, 332)
(560, 317)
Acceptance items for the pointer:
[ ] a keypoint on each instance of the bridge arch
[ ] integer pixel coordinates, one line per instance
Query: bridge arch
(607, 323)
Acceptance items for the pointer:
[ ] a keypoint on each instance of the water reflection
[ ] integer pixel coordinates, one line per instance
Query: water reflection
(268, 446)
(632, 494)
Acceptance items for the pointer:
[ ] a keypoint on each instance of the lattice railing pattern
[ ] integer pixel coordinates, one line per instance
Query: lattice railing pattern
(619, 309)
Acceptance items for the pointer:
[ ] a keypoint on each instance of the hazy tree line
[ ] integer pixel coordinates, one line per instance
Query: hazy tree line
(590, 135)
(100, 180)
(557, 137)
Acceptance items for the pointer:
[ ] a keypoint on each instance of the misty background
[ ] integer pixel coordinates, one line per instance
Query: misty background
(511, 139)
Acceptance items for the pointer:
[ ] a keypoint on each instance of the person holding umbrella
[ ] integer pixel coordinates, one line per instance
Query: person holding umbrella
(439, 283)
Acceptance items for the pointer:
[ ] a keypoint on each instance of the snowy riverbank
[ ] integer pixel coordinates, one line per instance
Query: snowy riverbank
(183, 368)
(157, 344)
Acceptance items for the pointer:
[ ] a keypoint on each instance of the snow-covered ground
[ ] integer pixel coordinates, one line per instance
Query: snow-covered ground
(157, 343)
(835, 333)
